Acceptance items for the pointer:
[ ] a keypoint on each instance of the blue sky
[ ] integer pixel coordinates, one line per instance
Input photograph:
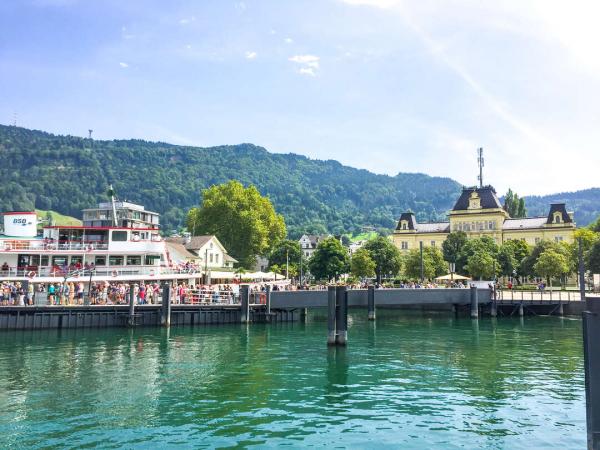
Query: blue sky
(384, 85)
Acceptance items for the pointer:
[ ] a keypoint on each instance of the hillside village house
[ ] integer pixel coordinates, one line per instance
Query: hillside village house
(478, 212)
(309, 243)
(204, 251)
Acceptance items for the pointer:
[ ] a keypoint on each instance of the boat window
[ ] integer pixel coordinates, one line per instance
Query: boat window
(115, 260)
(100, 261)
(134, 260)
(119, 236)
(59, 261)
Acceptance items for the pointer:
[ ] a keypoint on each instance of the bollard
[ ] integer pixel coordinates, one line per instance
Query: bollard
(371, 302)
(474, 303)
(331, 301)
(131, 316)
(245, 301)
(341, 319)
(591, 357)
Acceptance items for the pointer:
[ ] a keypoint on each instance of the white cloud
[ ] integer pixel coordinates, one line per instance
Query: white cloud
(251, 55)
(309, 64)
(288, 40)
(187, 20)
(124, 65)
(383, 4)
(307, 71)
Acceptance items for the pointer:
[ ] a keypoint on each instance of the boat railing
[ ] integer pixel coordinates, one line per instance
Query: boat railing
(42, 245)
(545, 295)
(33, 272)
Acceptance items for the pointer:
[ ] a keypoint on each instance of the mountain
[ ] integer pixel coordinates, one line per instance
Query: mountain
(66, 174)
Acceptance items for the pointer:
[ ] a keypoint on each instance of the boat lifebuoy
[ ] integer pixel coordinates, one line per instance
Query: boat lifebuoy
(135, 238)
(114, 273)
(31, 274)
(152, 273)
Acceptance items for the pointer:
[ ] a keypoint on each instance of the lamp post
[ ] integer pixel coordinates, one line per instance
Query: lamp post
(205, 266)
(422, 268)
(287, 264)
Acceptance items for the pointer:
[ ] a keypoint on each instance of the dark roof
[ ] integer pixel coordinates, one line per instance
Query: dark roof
(487, 196)
(433, 227)
(195, 242)
(559, 207)
(410, 218)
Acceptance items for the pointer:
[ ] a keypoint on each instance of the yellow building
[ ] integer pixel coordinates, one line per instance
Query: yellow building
(478, 212)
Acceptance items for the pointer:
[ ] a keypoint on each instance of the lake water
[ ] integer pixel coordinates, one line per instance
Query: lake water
(409, 380)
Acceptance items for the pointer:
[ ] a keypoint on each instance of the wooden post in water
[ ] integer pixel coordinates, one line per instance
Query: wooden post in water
(245, 301)
(521, 310)
(474, 303)
(371, 302)
(591, 355)
(331, 312)
(131, 316)
(268, 306)
(341, 319)
(494, 307)
(165, 318)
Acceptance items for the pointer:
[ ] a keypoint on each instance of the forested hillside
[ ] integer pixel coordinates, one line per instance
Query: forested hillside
(66, 174)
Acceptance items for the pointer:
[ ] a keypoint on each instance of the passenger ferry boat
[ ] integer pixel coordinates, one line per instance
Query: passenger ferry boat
(118, 241)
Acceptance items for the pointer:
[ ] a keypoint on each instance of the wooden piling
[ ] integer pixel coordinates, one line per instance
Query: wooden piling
(165, 319)
(474, 303)
(342, 315)
(371, 302)
(245, 303)
(591, 355)
(331, 313)
(131, 315)
(521, 310)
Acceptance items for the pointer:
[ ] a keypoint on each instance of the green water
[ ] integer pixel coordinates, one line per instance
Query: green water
(407, 381)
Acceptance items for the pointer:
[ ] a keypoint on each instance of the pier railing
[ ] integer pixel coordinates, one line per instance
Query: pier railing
(545, 295)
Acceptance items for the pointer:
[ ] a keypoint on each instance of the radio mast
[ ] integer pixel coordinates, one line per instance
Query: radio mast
(480, 162)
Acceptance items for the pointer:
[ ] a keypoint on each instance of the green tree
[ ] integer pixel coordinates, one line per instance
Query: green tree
(433, 263)
(551, 263)
(510, 255)
(528, 263)
(481, 265)
(329, 260)
(284, 252)
(453, 245)
(387, 257)
(244, 221)
(361, 264)
(476, 245)
(593, 264)
(513, 205)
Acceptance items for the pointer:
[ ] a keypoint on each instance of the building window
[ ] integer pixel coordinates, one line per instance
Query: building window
(491, 224)
(404, 245)
(211, 257)
(537, 240)
(217, 258)
(433, 243)
(558, 238)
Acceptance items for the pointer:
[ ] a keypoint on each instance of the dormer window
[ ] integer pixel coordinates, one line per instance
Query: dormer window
(558, 217)
(404, 225)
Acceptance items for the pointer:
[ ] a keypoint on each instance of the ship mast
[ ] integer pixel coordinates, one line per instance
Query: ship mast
(111, 192)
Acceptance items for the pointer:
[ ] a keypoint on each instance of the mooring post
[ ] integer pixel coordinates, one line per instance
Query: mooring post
(494, 307)
(561, 310)
(591, 357)
(521, 310)
(371, 302)
(268, 301)
(341, 321)
(131, 317)
(474, 303)
(245, 301)
(165, 319)
(331, 312)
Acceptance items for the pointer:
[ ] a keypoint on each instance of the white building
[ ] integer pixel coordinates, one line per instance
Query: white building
(309, 243)
(205, 251)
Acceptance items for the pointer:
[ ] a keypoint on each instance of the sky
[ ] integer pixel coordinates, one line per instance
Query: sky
(385, 85)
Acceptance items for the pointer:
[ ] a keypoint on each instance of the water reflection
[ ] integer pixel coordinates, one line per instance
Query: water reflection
(412, 380)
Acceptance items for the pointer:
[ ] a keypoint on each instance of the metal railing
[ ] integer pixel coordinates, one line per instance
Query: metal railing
(539, 295)
(33, 272)
(40, 245)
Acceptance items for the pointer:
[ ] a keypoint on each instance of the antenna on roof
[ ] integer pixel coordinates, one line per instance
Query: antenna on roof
(90, 133)
(14, 119)
(481, 164)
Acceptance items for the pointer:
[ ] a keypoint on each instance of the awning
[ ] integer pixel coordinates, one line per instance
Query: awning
(454, 276)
